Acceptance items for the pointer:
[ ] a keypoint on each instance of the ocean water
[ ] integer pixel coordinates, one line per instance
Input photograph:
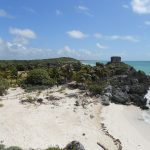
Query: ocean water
(138, 65)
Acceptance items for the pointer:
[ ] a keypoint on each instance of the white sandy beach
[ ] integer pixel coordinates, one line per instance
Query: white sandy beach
(126, 123)
(51, 124)
(56, 123)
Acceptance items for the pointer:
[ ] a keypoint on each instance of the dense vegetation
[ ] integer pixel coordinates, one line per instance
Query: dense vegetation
(74, 145)
(23, 65)
(2, 147)
(34, 73)
(46, 73)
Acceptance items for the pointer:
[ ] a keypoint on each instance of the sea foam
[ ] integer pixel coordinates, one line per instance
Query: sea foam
(146, 114)
(147, 96)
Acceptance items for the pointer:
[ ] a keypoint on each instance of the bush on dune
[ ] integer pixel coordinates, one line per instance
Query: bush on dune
(54, 149)
(4, 85)
(13, 148)
(39, 77)
(2, 147)
(97, 88)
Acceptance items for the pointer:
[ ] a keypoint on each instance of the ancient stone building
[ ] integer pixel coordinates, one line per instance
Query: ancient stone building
(115, 59)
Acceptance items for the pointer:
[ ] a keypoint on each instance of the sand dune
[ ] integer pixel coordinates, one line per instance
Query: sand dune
(51, 123)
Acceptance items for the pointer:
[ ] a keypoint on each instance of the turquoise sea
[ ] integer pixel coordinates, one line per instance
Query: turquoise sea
(138, 65)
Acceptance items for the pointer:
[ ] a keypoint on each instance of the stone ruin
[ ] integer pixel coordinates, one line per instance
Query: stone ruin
(115, 59)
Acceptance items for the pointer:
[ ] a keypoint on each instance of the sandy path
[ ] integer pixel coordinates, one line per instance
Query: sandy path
(30, 126)
(126, 123)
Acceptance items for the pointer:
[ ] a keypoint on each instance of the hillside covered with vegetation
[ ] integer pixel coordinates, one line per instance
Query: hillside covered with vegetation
(117, 82)
(22, 65)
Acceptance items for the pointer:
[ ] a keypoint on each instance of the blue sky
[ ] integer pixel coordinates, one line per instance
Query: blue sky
(83, 29)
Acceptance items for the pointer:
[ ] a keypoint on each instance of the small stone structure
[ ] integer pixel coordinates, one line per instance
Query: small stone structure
(115, 59)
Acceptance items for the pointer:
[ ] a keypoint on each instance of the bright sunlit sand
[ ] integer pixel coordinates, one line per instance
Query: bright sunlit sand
(51, 124)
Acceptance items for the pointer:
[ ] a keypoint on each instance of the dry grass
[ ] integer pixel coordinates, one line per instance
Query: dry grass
(1, 105)
(61, 90)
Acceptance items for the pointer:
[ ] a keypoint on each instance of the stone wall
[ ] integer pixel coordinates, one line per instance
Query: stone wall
(115, 59)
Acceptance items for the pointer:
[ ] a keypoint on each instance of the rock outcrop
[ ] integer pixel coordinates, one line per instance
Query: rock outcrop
(130, 87)
(105, 100)
(74, 145)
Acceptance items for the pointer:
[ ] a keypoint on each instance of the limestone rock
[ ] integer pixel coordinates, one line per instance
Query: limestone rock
(74, 145)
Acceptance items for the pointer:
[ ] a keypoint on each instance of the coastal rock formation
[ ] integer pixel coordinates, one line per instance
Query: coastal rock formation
(105, 100)
(129, 88)
(74, 145)
(114, 82)
(119, 96)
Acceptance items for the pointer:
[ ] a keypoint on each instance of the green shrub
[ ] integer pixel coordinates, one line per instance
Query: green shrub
(31, 88)
(54, 148)
(98, 64)
(13, 148)
(2, 147)
(97, 88)
(39, 77)
(4, 85)
(1, 105)
(117, 68)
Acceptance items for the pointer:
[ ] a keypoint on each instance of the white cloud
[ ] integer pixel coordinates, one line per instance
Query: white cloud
(100, 46)
(80, 35)
(1, 41)
(25, 33)
(116, 37)
(77, 34)
(125, 6)
(59, 12)
(78, 53)
(19, 47)
(147, 23)
(66, 51)
(98, 35)
(21, 40)
(141, 6)
(122, 53)
(84, 10)
(10, 45)
(4, 14)
(30, 10)
(16, 50)
(125, 38)
(11, 50)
